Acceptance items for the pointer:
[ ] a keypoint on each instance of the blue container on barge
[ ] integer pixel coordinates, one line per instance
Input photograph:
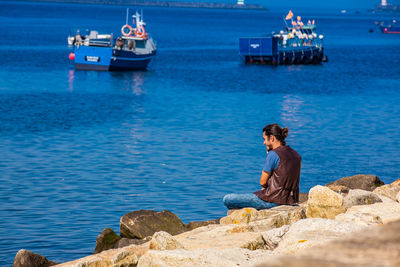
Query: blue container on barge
(298, 44)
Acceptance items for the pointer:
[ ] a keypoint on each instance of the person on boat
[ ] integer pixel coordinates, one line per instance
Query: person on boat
(280, 176)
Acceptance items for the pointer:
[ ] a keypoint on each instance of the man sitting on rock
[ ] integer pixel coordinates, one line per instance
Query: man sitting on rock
(280, 176)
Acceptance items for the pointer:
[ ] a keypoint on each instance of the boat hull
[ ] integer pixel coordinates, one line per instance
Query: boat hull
(264, 50)
(390, 30)
(110, 59)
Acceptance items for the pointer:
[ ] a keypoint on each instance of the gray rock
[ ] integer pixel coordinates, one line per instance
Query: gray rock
(359, 181)
(124, 242)
(143, 223)
(193, 225)
(360, 197)
(106, 240)
(303, 197)
(26, 258)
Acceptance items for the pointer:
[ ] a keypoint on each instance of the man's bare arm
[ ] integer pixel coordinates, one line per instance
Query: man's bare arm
(264, 178)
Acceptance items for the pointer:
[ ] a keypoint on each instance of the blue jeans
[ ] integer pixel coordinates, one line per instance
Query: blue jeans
(238, 201)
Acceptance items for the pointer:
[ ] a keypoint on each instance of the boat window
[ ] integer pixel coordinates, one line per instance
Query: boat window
(140, 44)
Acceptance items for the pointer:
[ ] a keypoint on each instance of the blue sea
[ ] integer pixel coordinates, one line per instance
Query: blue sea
(79, 149)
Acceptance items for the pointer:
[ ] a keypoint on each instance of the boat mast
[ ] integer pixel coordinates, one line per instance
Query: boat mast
(127, 15)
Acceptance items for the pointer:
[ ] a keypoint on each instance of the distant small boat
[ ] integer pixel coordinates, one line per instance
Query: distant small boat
(298, 44)
(133, 50)
(393, 28)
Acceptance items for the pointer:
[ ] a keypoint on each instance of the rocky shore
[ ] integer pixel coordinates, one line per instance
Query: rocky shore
(352, 221)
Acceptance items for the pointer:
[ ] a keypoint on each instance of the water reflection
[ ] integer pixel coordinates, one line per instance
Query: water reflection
(290, 113)
(133, 81)
(71, 76)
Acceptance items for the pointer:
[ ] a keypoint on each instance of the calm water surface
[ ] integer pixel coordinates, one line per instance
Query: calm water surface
(78, 149)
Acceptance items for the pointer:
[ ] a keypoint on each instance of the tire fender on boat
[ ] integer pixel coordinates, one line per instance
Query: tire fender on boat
(124, 33)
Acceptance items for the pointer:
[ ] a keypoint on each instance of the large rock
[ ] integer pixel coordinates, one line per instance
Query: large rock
(379, 246)
(359, 181)
(164, 241)
(245, 215)
(26, 258)
(324, 203)
(360, 197)
(389, 190)
(311, 232)
(204, 257)
(194, 225)
(398, 197)
(274, 236)
(106, 240)
(219, 237)
(123, 257)
(124, 242)
(363, 219)
(386, 211)
(278, 216)
(143, 223)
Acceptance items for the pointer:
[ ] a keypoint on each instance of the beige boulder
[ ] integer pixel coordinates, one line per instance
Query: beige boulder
(219, 237)
(265, 219)
(377, 246)
(386, 211)
(307, 233)
(362, 219)
(204, 257)
(245, 215)
(164, 241)
(389, 190)
(398, 197)
(324, 203)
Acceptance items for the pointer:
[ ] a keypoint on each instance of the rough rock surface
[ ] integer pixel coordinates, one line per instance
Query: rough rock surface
(26, 258)
(398, 197)
(271, 218)
(340, 189)
(363, 219)
(124, 242)
(324, 203)
(360, 197)
(218, 237)
(204, 257)
(123, 257)
(389, 190)
(164, 241)
(311, 232)
(106, 240)
(274, 236)
(386, 211)
(143, 223)
(194, 225)
(379, 246)
(359, 181)
(303, 197)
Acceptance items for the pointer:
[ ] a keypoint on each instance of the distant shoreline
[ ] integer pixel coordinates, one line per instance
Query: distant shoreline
(157, 4)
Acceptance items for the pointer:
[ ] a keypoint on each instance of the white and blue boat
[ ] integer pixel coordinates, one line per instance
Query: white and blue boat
(297, 44)
(134, 49)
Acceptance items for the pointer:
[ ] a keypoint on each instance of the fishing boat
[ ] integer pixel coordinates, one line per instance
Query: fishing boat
(297, 44)
(132, 50)
(393, 27)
